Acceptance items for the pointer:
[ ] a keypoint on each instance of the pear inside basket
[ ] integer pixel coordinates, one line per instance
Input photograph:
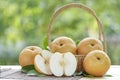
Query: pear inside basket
(64, 58)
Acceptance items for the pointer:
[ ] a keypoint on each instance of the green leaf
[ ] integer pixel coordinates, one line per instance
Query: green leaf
(91, 76)
(77, 73)
(34, 73)
(87, 75)
(30, 70)
(45, 43)
(77, 42)
(107, 75)
(27, 68)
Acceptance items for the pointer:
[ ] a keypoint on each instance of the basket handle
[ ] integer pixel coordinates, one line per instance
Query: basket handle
(76, 5)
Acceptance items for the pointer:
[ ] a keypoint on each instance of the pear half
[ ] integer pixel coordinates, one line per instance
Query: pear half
(41, 62)
(63, 64)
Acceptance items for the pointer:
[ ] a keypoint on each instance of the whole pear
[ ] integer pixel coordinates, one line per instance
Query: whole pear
(63, 44)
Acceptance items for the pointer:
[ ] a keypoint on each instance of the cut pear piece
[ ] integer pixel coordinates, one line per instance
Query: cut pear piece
(41, 62)
(70, 64)
(46, 55)
(56, 64)
(63, 64)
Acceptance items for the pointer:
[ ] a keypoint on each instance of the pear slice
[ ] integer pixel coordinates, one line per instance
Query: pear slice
(46, 55)
(41, 62)
(70, 64)
(56, 64)
(63, 64)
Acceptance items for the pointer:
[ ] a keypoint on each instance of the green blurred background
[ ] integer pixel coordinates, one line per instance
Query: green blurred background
(25, 22)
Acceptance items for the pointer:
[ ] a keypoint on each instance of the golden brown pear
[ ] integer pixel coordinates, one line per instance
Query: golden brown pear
(89, 44)
(27, 55)
(63, 44)
(96, 63)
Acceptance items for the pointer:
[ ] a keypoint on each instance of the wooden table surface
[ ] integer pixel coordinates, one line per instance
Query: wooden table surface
(12, 72)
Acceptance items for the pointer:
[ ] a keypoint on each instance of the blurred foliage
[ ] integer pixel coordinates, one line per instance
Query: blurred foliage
(25, 22)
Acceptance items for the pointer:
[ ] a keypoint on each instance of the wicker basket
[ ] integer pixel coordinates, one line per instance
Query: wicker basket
(90, 11)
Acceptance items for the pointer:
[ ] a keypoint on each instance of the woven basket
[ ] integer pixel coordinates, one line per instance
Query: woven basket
(90, 11)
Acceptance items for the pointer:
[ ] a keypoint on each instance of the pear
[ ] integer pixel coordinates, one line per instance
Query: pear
(41, 62)
(89, 44)
(63, 44)
(27, 55)
(96, 63)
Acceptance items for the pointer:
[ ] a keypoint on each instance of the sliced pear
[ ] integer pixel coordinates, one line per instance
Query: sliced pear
(46, 55)
(56, 64)
(63, 64)
(41, 62)
(70, 64)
